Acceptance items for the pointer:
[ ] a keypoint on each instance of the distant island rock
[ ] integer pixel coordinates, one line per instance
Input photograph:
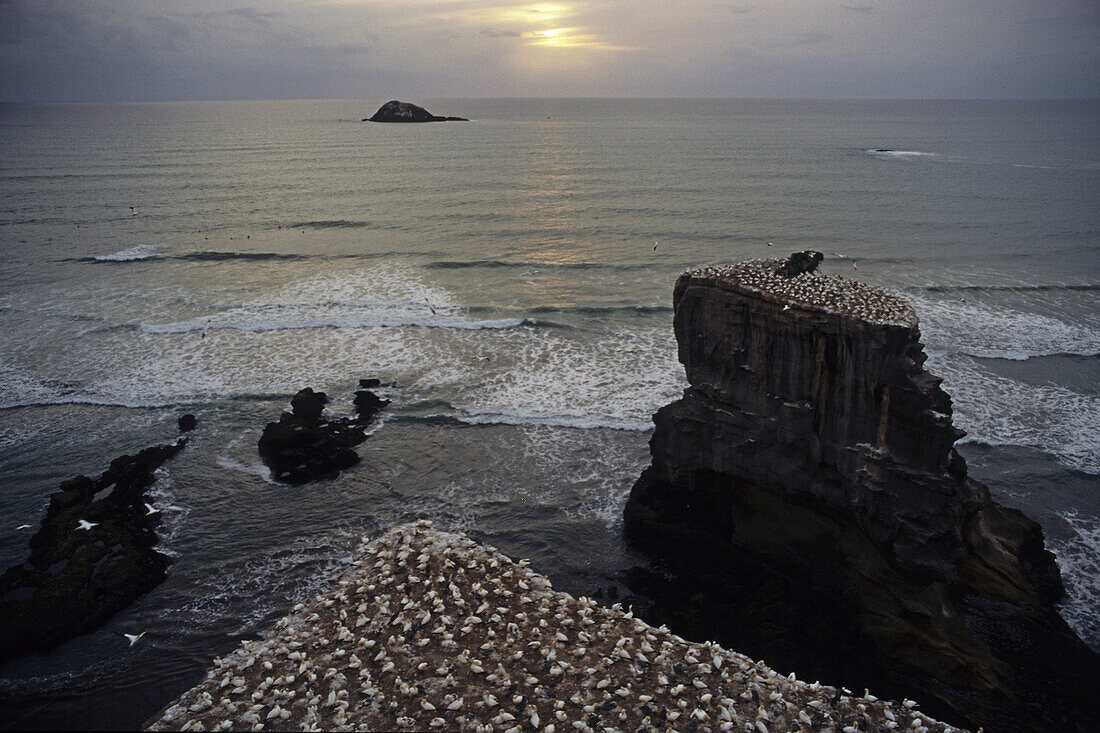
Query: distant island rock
(395, 111)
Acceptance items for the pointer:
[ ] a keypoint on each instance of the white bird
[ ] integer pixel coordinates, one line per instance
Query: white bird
(85, 524)
(22, 526)
(769, 244)
(854, 266)
(134, 637)
(151, 509)
(133, 211)
(837, 254)
(654, 244)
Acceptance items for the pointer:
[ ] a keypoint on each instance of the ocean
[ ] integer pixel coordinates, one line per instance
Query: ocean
(509, 279)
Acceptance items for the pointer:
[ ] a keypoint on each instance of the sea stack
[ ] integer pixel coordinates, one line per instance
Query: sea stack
(813, 450)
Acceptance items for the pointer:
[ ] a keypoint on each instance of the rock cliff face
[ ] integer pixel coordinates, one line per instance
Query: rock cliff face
(812, 446)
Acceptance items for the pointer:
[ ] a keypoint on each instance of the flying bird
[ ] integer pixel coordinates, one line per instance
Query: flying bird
(85, 524)
(655, 244)
(134, 637)
(22, 526)
(429, 305)
(151, 509)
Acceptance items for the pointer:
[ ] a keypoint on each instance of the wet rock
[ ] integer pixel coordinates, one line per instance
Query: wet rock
(187, 423)
(395, 111)
(368, 404)
(303, 446)
(76, 579)
(308, 404)
(801, 262)
(811, 463)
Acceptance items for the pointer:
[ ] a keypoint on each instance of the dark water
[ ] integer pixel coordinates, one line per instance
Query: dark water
(216, 257)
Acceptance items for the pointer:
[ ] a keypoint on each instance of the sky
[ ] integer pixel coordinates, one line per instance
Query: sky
(135, 50)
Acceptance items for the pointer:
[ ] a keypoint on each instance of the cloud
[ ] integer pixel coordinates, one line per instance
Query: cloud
(808, 38)
(254, 15)
(166, 49)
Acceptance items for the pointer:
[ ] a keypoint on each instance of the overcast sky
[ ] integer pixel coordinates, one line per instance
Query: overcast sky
(416, 49)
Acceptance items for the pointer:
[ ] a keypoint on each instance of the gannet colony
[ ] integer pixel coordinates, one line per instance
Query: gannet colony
(428, 630)
(813, 290)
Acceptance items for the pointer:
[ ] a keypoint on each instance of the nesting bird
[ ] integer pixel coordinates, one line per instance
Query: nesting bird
(812, 291)
(456, 636)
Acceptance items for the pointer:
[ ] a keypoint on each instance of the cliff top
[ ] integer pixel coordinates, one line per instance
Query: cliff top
(813, 290)
(429, 630)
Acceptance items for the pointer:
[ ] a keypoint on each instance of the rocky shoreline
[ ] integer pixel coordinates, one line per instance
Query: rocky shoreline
(430, 631)
(92, 556)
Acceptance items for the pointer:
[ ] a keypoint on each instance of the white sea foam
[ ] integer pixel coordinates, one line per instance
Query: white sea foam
(255, 468)
(980, 329)
(141, 252)
(611, 381)
(262, 318)
(1000, 411)
(903, 154)
(1079, 560)
(248, 592)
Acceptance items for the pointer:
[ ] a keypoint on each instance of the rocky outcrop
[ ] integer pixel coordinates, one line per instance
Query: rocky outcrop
(455, 636)
(395, 111)
(92, 557)
(811, 459)
(303, 446)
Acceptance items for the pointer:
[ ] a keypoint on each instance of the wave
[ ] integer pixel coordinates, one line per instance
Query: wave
(889, 153)
(217, 256)
(329, 224)
(337, 315)
(601, 309)
(489, 264)
(1079, 560)
(997, 410)
(982, 330)
(1082, 287)
(134, 254)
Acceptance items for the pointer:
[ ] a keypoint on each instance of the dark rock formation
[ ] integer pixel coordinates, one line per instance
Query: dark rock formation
(807, 479)
(395, 111)
(187, 423)
(800, 262)
(303, 446)
(76, 579)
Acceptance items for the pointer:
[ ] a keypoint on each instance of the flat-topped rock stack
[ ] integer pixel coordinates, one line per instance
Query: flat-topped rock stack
(812, 451)
(430, 631)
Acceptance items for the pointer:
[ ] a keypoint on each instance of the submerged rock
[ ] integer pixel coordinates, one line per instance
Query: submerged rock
(303, 446)
(78, 578)
(808, 479)
(395, 111)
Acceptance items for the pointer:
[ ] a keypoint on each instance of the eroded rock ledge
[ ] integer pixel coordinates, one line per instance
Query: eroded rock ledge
(430, 631)
(812, 450)
(93, 555)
